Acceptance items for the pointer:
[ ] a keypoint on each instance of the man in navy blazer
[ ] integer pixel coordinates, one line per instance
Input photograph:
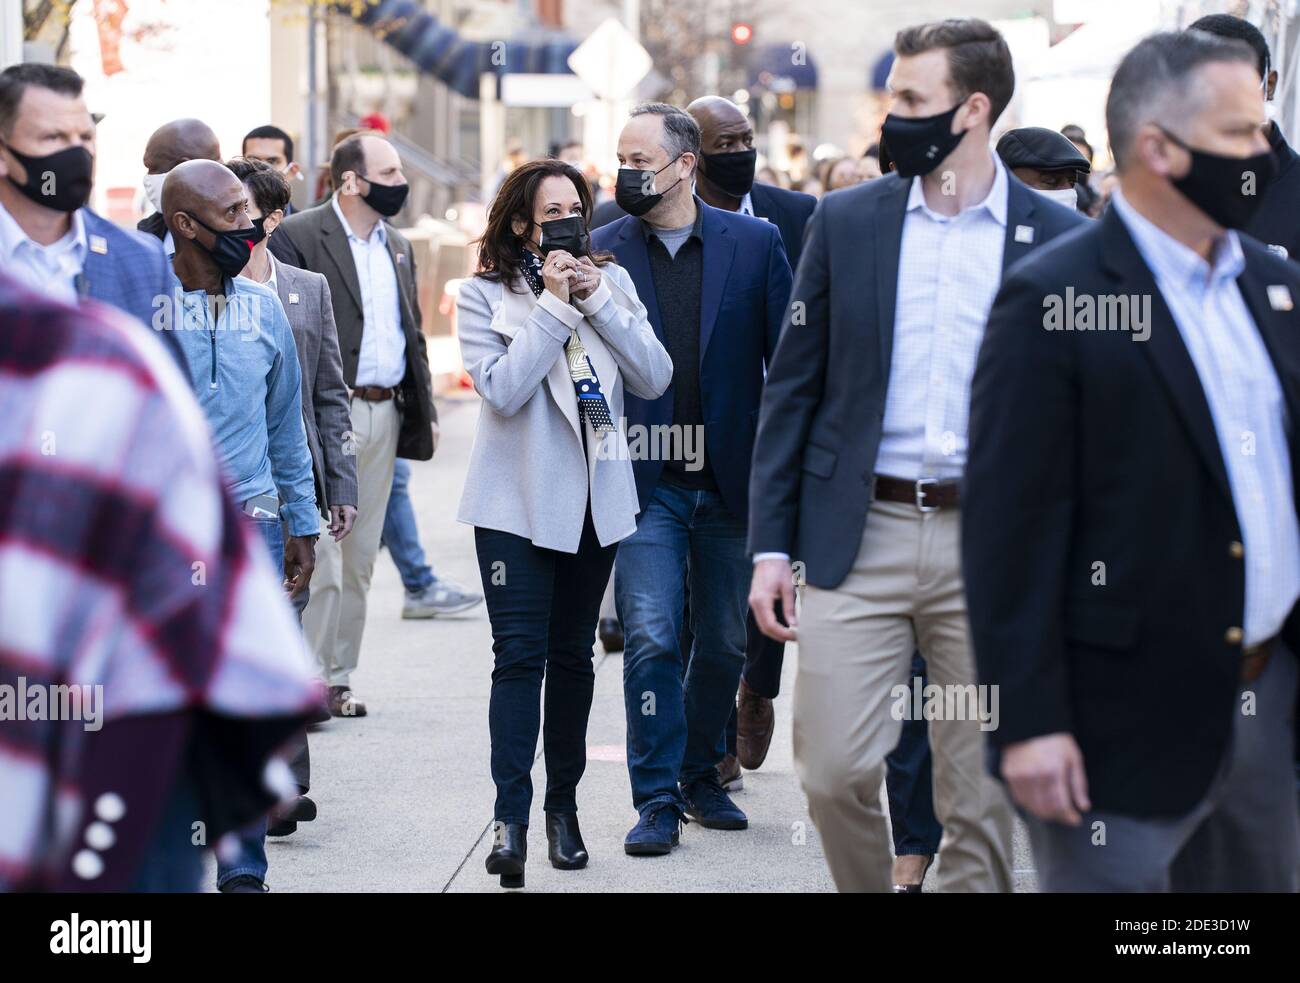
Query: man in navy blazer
(715, 286)
(48, 238)
(861, 447)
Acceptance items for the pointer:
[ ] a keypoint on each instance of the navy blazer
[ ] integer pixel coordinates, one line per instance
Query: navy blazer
(129, 270)
(824, 403)
(1092, 445)
(746, 287)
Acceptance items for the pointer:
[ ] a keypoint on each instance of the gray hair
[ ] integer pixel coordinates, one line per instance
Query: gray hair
(681, 132)
(1156, 83)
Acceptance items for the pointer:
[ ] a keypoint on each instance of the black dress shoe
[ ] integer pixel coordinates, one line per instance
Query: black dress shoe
(285, 818)
(564, 841)
(243, 884)
(509, 852)
(611, 634)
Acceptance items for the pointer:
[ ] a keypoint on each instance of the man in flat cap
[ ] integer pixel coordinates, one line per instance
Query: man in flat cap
(1046, 161)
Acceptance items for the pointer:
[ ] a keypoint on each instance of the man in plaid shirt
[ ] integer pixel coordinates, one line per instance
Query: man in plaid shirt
(126, 571)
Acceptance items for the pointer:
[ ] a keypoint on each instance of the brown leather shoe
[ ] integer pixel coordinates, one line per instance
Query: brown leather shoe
(755, 721)
(343, 704)
(730, 775)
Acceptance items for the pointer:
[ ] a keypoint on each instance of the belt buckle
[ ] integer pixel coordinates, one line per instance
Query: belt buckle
(921, 485)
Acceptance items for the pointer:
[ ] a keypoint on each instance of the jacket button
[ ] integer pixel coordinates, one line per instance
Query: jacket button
(1236, 550)
(1234, 635)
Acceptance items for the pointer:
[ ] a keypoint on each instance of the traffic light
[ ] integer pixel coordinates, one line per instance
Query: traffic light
(742, 33)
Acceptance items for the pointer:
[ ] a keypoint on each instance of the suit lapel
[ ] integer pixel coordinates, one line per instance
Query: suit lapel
(1165, 347)
(719, 250)
(335, 238)
(1277, 328)
(891, 211)
(1024, 231)
(632, 256)
(516, 308)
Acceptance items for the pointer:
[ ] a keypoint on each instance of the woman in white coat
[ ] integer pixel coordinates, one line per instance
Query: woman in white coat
(551, 336)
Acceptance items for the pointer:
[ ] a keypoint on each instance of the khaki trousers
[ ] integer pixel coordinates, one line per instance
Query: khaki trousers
(336, 616)
(855, 646)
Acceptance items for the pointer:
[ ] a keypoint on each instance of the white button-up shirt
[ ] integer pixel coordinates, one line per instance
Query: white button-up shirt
(382, 359)
(1246, 403)
(949, 270)
(50, 270)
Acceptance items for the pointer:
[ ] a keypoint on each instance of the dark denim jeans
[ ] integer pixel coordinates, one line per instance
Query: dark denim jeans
(543, 606)
(910, 786)
(402, 536)
(675, 720)
(251, 856)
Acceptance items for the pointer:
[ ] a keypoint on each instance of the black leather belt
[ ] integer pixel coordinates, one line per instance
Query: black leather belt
(927, 494)
(375, 394)
(1255, 658)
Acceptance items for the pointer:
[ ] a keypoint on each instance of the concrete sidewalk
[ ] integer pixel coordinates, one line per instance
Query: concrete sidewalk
(405, 796)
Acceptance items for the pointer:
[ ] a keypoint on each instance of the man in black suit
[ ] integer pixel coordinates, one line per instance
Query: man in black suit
(171, 144)
(1277, 221)
(1133, 578)
(862, 441)
(370, 268)
(725, 179)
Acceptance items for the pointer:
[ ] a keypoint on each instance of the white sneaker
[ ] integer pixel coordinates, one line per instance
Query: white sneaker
(439, 598)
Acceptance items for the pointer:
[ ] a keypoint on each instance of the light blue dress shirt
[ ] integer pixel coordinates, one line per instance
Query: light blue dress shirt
(1246, 403)
(382, 358)
(245, 372)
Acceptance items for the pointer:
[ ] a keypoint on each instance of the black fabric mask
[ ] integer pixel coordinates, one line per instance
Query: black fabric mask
(568, 234)
(918, 146)
(72, 170)
(259, 228)
(232, 247)
(733, 172)
(630, 193)
(386, 199)
(1215, 184)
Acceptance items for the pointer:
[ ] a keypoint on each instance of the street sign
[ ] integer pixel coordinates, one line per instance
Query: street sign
(611, 61)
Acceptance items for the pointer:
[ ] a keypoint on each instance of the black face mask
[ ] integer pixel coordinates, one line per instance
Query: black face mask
(67, 174)
(386, 199)
(1215, 184)
(732, 173)
(630, 193)
(918, 146)
(232, 247)
(568, 234)
(259, 229)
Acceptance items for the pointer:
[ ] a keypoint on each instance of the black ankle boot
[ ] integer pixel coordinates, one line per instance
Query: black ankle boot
(564, 841)
(509, 852)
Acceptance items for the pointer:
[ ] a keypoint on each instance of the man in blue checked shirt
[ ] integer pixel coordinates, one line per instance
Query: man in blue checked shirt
(244, 368)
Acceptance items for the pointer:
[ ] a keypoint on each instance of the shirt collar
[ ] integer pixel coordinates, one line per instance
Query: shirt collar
(995, 202)
(377, 234)
(1172, 260)
(697, 230)
(747, 205)
(12, 237)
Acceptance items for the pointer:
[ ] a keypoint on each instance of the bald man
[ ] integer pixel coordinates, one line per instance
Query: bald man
(244, 368)
(171, 144)
(371, 272)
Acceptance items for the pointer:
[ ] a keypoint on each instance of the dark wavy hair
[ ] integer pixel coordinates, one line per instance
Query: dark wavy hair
(500, 250)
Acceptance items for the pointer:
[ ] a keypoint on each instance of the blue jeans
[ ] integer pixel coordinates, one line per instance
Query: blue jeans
(910, 786)
(251, 858)
(402, 536)
(675, 719)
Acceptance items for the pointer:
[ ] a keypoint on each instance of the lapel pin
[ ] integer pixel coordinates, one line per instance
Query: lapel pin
(401, 258)
(293, 298)
(1279, 297)
(1024, 233)
(1278, 250)
(98, 244)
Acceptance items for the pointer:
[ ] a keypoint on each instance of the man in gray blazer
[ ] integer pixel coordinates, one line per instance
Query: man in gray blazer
(371, 272)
